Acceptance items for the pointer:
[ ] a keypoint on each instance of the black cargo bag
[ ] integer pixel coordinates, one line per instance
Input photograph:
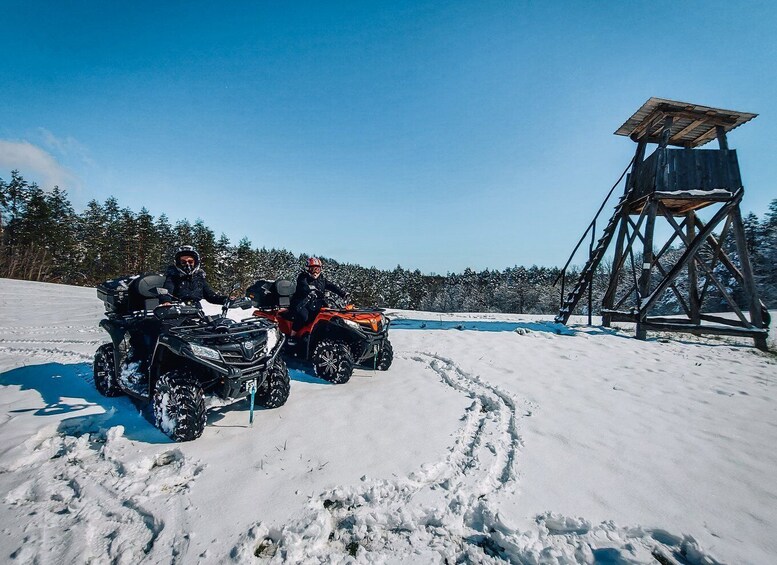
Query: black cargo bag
(115, 294)
(130, 293)
(271, 294)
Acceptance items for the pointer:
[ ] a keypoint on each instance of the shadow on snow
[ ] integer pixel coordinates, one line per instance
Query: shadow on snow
(68, 389)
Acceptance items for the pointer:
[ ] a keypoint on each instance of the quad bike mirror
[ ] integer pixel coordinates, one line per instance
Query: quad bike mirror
(334, 301)
(243, 303)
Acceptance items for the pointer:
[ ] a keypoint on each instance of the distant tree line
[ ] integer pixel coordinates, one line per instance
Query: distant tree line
(42, 238)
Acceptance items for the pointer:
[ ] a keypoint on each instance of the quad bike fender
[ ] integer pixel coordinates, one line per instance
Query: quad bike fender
(171, 351)
(170, 354)
(117, 333)
(371, 345)
(181, 348)
(335, 330)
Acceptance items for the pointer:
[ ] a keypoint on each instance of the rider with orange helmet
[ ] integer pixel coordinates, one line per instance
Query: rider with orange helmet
(308, 297)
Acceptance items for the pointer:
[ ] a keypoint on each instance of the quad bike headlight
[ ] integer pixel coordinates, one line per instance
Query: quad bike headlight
(272, 340)
(351, 323)
(205, 352)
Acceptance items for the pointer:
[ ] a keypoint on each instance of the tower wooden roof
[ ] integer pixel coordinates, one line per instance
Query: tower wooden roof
(692, 126)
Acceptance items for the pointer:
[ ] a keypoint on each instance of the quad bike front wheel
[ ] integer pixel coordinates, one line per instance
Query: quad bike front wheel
(384, 357)
(275, 388)
(105, 379)
(332, 361)
(179, 405)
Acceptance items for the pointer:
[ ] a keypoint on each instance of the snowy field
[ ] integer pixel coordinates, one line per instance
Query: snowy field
(492, 438)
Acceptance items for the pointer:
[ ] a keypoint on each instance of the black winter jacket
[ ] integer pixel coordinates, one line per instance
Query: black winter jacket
(306, 284)
(189, 288)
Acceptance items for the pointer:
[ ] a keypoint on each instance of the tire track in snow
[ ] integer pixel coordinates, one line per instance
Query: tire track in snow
(39, 341)
(43, 330)
(497, 439)
(50, 353)
(445, 510)
(448, 512)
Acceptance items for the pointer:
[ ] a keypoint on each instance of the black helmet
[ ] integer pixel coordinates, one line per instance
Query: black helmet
(187, 268)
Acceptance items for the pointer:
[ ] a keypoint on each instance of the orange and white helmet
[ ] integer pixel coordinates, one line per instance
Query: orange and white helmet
(314, 263)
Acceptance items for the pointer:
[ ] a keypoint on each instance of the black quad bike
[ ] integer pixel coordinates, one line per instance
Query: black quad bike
(337, 339)
(172, 355)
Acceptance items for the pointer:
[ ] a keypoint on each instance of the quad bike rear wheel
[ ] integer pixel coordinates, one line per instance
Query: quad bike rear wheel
(106, 380)
(332, 361)
(275, 388)
(179, 405)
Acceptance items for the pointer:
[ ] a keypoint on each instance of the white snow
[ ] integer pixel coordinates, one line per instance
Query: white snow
(693, 193)
(492, 438)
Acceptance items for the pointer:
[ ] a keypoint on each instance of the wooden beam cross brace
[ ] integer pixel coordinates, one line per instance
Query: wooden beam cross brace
(717, 250)
(657, 264)
(692, 249)
(710, 273)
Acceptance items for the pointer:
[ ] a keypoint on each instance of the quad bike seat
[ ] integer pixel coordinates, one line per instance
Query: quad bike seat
(285, 289)
(143, 293)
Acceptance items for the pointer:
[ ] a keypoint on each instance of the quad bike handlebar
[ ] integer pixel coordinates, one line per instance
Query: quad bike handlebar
(172, 310)
(176, 310)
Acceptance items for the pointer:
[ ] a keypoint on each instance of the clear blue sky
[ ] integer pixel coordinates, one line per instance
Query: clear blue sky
(435, 135)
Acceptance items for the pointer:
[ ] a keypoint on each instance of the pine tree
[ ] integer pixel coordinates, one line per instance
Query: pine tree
(32, 235)
(14, 202)
(91, 236)
(204, 240)
(129, 241)
(221, 261)
(147, 250)
(183, 233)
(244, 265)
(166, 243)
(765, 266)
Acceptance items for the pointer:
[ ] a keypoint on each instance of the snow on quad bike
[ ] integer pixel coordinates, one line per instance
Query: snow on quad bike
(338, 338)
(172, 355)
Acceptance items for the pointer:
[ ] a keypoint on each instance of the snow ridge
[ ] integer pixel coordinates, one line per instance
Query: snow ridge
(93, 503)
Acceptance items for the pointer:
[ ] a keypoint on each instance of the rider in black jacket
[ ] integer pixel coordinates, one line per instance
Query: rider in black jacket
(308, 299)
(185, 280)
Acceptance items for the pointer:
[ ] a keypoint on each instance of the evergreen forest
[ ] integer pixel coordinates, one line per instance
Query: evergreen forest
(42, 238)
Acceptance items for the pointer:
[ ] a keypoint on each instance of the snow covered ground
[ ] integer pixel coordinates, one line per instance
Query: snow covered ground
(499, 438)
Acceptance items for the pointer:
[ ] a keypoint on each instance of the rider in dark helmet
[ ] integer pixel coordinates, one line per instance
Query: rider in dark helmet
(185, 280)
(308, 297)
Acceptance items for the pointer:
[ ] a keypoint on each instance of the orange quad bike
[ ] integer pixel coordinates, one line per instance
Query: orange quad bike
(339, 338)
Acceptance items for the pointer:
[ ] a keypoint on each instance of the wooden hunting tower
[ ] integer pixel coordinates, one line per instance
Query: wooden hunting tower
(673, 184)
